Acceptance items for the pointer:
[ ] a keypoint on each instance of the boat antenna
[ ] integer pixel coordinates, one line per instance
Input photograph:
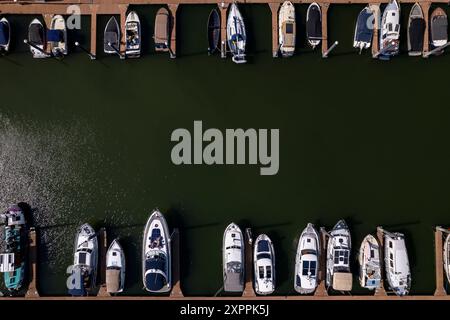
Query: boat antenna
(77, 44)
(116, 50)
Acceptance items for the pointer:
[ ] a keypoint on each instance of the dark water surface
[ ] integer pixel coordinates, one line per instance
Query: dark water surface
(360, 139)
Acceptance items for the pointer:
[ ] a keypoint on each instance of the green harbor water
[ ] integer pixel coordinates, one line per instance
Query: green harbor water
(360, 139)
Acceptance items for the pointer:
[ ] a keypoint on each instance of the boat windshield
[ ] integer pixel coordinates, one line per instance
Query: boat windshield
(263, 256)
(233, 247)
(309, 268)
(308, 251)
(341, 257)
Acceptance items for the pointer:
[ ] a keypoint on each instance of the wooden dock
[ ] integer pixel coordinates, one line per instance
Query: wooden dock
(103, 248)
(120, 7)
(32, 292)
(176, 288)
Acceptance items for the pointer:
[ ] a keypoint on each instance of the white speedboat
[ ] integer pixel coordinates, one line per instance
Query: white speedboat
(339, 276)
(447, 257)
(264, 264)
(5, 35)
(115, 268)
(307, 261)
(37, 39)
(364, 29)
(133, 35)
(156, 255)
(286, 29)
(314, 24)
(396, 263)
(237, 37)
(233, 259)
(369, 263)
(57, 36)
(85, 261)
(390, 31)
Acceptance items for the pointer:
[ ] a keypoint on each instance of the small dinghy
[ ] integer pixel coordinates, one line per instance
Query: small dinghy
(286, 29)
(57, 36)
(237, 37)
(162, 30)
(85, 261)
(156, 255)
(233, 259)
(133, 35)
(37, 39)
(264, 264)
(13, 259)
(369, 263)
(396, 263)
(115, 268)
(111, 38)
(339, 276)
(447, 257)
(5, 36)
(213, 31)
(364, 29)
(416, 31)
(438, 26)
(307, 261)
(390, 31)
(314, 25)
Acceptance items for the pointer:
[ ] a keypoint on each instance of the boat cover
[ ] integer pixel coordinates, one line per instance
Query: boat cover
(289, 38)
(364, 33)
(113, 280)
(233, 282)
(263, 246)
(154, 281)
(161, 30)
(314, 24)
(77, 291)
(416, 34)
(111, 36)
(439, 29)
(55, 35)
(4, 34)
(342, 281)
(36, 34)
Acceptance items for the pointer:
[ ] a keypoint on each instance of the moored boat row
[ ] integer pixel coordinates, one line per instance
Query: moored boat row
(335, 253)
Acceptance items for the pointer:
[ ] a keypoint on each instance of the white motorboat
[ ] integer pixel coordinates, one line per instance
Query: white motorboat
(447, 257)
(37, 39)
(264, 264)
(115, 268)
(57, 36)
(314, 24)
(364, 29)
(233, 259)
(236, 34)
(85, 261)
(5, 35)
(133, 35)
(339, 276)
(369, 263)
(396, 263)
(286, 29)
(307, 261)
(156, 255)
(390, 31)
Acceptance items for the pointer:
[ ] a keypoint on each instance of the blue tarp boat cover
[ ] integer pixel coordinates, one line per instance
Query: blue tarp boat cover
(4, 34)
(75, 291)
(263, 246)
(365, 26)
(155, 281)
(54, 35)
(314, 23)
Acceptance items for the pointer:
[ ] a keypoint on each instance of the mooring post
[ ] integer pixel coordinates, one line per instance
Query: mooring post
(426, 42)
(123, 17)
(173, 25)
(439, 263)
(380, 291)
(32, 291)
(223, 29)
(324, 8)
(321, 289)
(94, 32)
(248, 287)
(175, 243)
(274, 9)
(376, 27)
(103, 246)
